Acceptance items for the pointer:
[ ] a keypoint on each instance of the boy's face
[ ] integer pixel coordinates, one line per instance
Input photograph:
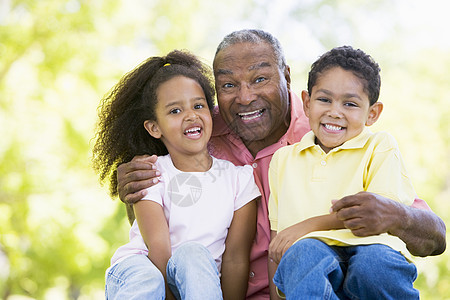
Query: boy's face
(338, 108)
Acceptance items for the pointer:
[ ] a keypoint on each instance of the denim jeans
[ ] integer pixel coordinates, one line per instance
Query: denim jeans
(191, 274)
(310, 269)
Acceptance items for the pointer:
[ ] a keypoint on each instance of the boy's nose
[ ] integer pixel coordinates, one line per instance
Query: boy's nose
(335, 111)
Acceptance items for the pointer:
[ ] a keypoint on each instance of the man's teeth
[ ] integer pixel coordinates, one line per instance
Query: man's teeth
(251, 115)
(332, 127)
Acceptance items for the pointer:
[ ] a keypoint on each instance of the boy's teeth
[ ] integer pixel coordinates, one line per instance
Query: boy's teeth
(332, 127)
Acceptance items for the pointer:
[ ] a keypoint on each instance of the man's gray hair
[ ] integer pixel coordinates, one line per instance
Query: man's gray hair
(254, 36)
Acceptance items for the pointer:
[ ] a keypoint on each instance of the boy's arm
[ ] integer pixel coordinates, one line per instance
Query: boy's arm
(284, 239)
(272, 268)
(236, 258)
(367, 214)
(155, 232)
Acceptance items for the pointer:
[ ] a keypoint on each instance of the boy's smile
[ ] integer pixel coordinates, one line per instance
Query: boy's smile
(338, 108)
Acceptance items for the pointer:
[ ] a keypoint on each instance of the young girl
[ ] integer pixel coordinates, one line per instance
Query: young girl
(192, 237)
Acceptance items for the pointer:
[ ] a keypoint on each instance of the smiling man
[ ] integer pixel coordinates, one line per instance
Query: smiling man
(258, 114)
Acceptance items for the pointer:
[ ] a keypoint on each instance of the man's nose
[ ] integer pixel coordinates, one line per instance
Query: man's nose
(246, 94)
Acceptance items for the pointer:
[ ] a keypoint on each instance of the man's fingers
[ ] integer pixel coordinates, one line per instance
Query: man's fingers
(135, 197)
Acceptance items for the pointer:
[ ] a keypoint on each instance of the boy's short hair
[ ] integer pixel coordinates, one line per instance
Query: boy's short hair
(359, 63)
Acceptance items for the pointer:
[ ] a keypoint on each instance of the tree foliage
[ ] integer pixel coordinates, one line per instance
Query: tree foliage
(58, 58)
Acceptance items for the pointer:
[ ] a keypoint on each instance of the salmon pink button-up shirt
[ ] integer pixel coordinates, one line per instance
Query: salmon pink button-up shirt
(225, 144)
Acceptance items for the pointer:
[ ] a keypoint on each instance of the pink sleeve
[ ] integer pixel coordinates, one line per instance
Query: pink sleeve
(419, 203)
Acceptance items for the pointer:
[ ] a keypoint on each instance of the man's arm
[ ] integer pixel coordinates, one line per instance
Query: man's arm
(133, 178)
(368, 214)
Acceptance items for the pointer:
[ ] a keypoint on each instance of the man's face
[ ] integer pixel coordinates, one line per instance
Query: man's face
(252, 92)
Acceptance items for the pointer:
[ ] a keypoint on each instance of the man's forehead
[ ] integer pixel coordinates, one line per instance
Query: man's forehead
(244, 56)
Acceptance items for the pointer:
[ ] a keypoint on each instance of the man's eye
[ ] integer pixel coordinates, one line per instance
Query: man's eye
(260, 79)
(228, 85)
(175, 111)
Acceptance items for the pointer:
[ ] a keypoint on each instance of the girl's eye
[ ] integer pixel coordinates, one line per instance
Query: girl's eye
(199, 106)
(175, 111)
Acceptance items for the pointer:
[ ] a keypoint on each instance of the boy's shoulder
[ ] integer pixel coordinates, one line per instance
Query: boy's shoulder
(382, 140)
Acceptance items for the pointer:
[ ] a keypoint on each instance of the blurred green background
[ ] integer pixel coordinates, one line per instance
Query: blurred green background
(59, 227)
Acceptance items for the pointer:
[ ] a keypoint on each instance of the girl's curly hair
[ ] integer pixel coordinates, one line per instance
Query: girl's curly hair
(120, 133)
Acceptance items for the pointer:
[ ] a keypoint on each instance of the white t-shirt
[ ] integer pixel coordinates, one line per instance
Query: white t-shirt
(199, 206)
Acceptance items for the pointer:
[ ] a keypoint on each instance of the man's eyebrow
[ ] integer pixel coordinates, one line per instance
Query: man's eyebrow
(260, 65)
(224, 72)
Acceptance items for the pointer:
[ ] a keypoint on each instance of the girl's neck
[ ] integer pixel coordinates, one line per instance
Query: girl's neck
(201, 162)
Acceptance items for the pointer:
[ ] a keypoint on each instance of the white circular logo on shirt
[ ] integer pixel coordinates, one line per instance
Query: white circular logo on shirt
(185, 189)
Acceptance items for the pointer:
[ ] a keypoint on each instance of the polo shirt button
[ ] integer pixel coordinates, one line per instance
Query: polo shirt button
(254, 165)
(252, 274)
(323, 163)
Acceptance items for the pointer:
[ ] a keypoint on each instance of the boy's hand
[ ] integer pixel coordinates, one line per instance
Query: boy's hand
(136, 176)
(284, 240)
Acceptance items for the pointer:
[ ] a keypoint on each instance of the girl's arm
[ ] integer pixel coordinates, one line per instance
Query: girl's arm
(236, 258)
(155, 232)
(284, 239)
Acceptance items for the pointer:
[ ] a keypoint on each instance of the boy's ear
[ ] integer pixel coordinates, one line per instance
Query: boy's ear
(374, 113)
(306, 102)
(153, 129)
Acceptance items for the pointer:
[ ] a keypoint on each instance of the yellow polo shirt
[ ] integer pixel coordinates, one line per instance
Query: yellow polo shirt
(304, 179)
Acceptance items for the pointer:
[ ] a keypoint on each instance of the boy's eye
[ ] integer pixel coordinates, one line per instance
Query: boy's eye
(325, 100)
(351, 104)
(199, 106)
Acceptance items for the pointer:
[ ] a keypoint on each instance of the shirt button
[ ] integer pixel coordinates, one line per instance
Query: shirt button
(252, 274)
(254, 165)
(323, 163)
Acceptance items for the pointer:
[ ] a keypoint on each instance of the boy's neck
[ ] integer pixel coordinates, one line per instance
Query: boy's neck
(201, 162)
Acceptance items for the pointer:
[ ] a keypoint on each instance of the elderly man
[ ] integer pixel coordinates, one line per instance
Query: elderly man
(257, 114)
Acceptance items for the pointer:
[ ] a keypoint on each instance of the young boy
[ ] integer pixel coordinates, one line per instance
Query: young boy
(317, 256)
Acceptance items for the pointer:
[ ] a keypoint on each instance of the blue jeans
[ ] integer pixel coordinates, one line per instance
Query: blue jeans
(191, 274)
(310, 269)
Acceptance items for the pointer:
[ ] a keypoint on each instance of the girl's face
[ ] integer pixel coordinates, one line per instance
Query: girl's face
(338, 108)
(183, 119)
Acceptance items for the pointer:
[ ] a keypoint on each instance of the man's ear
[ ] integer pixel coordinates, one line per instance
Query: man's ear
(306, 102)
(153, 129)
(374, 113)
(287, 76)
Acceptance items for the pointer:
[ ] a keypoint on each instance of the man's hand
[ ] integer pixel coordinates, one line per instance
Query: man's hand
(135, 176)
(367, 214)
